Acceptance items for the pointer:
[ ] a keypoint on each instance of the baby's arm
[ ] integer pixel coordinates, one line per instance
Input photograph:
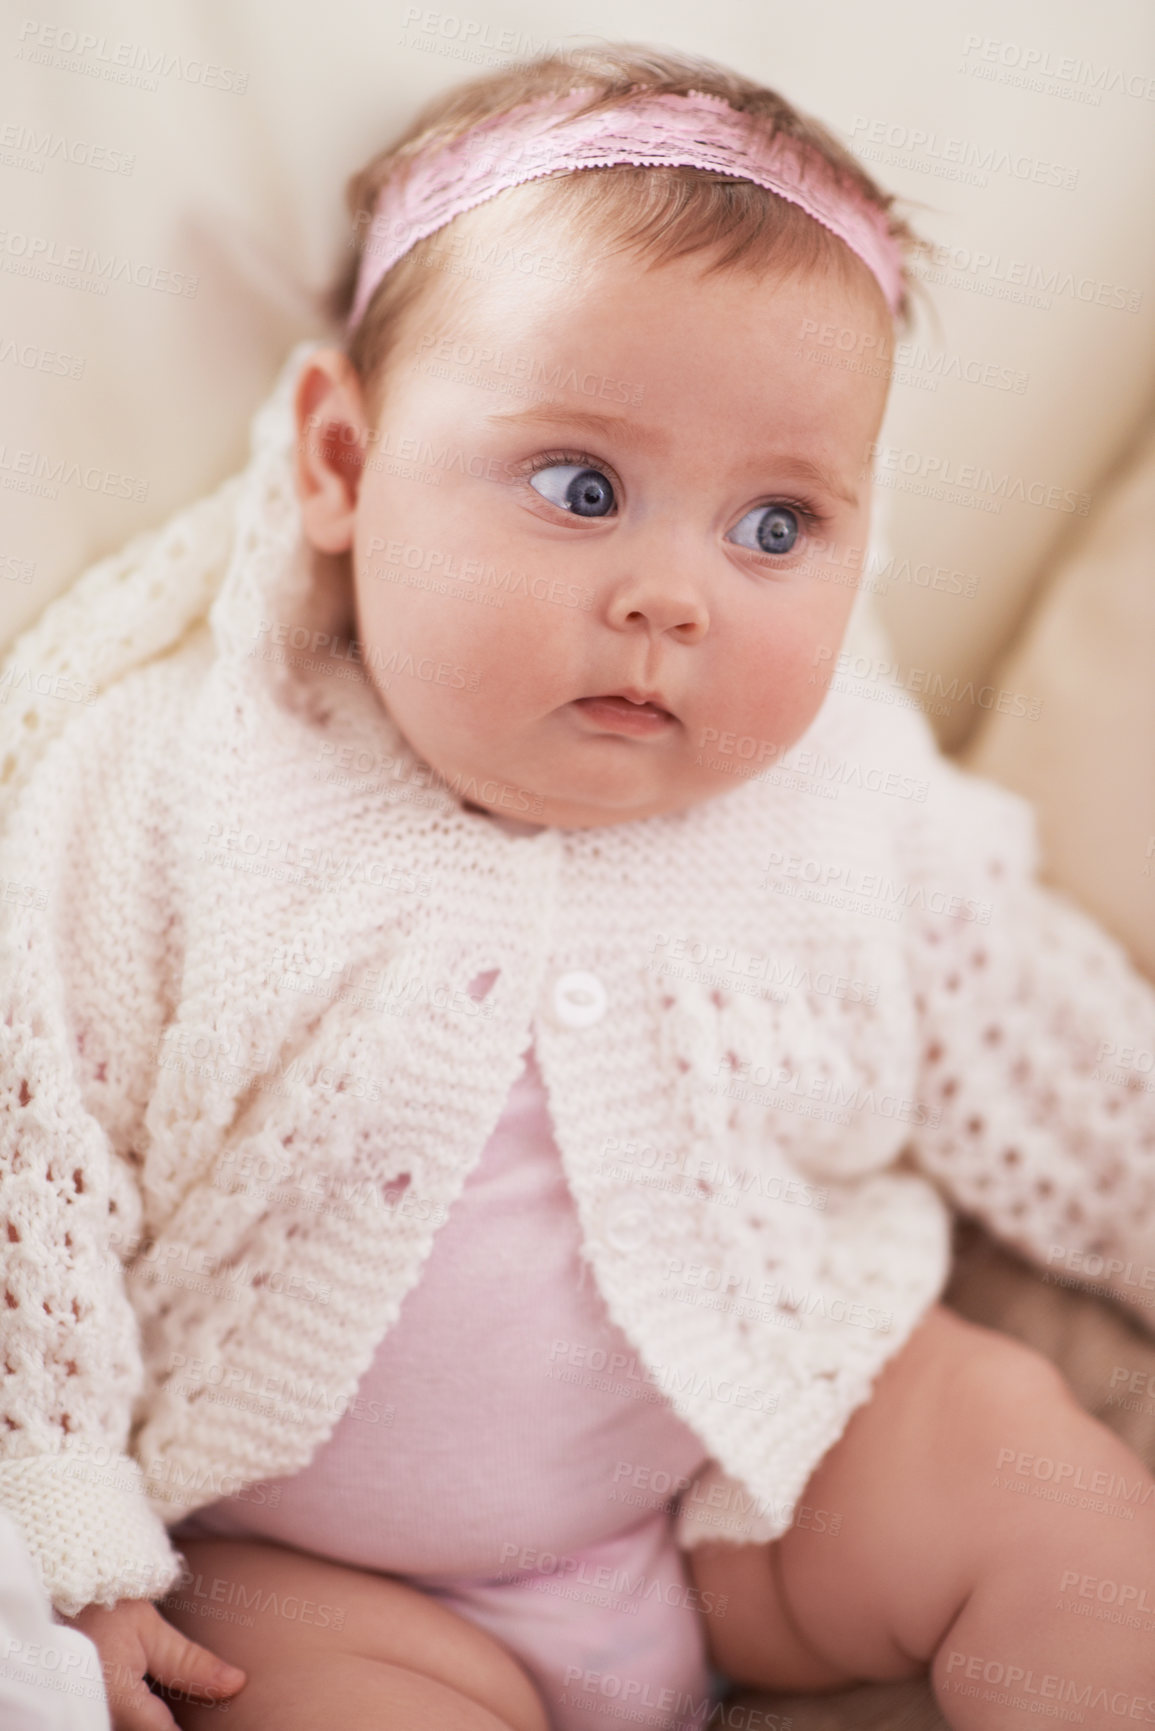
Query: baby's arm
(1038, 1117)
(69, 1203)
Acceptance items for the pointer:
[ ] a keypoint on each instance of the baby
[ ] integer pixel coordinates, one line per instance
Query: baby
(635, 1383)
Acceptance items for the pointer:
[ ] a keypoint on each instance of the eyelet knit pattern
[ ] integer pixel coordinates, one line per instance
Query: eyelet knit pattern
(246, 1059)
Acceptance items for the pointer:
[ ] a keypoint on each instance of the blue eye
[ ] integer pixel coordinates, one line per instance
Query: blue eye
(586, 492)
(776, 529)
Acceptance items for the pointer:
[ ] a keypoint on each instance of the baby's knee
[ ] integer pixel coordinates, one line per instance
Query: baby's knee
(980, 1390)
(1069, 1513)
(966, 1361)
(1031, 1633)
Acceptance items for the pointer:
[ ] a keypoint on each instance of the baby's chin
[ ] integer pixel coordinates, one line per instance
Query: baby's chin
(547, 777)
(583, 800)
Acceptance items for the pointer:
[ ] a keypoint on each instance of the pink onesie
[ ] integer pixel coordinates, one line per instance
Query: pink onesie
(495, 1450)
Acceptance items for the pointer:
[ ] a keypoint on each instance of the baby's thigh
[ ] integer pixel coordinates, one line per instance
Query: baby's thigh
(322, 1643)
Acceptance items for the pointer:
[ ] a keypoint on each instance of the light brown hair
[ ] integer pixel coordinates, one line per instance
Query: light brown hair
(658, 213)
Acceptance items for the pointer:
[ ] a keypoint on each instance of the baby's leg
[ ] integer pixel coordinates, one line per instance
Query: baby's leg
(977, 1501)
(324, 1644)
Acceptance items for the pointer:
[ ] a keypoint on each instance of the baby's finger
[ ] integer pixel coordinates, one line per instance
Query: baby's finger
(133, 1707)
(184, 1665)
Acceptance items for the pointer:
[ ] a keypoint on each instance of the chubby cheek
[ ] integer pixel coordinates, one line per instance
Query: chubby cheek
(457, 675)
(431, 581)
(775, 686)
(517, 652)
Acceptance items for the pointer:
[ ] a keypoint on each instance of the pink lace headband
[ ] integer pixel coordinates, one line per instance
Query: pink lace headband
(538, 138)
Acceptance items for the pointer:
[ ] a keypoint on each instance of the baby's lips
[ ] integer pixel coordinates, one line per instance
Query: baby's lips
(634, 695)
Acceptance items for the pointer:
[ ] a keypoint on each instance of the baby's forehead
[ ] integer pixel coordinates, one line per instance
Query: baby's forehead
(523, 240)
(514, 296)
(561, 227)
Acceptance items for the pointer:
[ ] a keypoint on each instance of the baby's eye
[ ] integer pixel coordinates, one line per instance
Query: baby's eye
(584, 491)
(774, 529)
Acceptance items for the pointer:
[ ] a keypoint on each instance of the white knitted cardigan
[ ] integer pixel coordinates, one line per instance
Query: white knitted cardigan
(249, 1057)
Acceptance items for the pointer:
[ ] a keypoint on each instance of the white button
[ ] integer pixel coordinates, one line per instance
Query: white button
(628, 1222)
(579, 999)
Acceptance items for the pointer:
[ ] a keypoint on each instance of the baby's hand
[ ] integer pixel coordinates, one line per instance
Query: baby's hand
(132, 1637)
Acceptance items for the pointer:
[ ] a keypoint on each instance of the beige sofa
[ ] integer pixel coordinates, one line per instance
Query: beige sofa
(173, 177)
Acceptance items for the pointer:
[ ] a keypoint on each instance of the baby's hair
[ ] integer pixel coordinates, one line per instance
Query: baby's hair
(658, 213)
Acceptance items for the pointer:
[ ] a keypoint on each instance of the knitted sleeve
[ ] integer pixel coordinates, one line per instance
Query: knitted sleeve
(1036, 1088)
(82, 942)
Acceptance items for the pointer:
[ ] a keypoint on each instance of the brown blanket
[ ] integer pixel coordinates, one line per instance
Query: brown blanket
(1088, 1338)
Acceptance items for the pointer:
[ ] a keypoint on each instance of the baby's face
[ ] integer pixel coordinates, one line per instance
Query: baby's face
(614, 577)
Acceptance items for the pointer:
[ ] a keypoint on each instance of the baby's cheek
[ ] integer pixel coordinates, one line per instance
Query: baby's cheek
(780, 688)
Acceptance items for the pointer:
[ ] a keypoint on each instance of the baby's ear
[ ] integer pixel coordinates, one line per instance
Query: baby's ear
(332, 430)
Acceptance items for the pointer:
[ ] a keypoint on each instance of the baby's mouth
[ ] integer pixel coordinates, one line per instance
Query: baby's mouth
(617, 712)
